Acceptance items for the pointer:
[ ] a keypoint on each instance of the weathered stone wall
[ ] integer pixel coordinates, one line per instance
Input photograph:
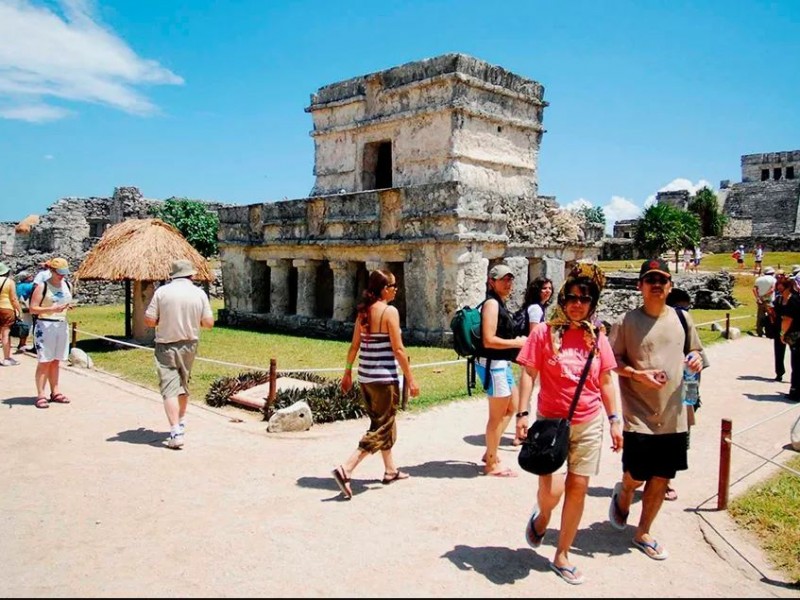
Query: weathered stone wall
(450, 118)
(72, 226)
(6, 239)
(754, 164)
(762, 208)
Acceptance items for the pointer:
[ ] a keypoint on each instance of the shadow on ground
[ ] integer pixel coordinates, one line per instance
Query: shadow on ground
(147, 437)
(498, 564)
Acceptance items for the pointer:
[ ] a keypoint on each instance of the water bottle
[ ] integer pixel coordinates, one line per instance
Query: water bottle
(691, 385)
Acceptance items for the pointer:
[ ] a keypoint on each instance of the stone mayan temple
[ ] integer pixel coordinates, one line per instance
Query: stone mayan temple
(428, 170)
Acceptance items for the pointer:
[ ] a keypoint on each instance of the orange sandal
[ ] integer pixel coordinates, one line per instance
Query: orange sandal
(41, 402)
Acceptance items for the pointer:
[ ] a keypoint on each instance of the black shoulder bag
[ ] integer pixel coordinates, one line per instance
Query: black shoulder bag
(547, 445)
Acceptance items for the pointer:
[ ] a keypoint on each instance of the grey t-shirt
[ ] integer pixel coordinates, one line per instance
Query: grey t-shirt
(178, 307)
(645, 342)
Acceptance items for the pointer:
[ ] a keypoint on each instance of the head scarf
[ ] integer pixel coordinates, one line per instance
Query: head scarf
(582, 274)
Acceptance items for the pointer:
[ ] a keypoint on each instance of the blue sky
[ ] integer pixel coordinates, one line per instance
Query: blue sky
(205, 99)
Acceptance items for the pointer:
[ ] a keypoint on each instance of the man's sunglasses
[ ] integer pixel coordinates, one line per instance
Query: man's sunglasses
(581, 299)
(656, 279)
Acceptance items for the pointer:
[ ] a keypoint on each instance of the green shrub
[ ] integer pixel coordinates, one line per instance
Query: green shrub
(327, 401)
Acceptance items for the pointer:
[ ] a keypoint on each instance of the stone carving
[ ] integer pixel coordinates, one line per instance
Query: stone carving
(297, 417)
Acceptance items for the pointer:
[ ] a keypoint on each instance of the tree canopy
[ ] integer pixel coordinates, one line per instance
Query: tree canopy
(195, 222)
(706, 207)
(663, 228)
(593, 214)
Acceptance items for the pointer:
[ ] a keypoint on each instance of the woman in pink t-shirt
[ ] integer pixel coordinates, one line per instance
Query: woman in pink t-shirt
(558, 350)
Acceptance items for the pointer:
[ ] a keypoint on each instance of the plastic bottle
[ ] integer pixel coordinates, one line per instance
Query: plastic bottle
(691, 385)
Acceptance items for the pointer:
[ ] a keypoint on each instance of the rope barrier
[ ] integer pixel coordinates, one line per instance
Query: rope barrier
(791, 408)
(769, 460)
(242, 366)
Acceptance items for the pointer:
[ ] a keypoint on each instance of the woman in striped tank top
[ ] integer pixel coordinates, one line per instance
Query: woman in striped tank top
(378, 341)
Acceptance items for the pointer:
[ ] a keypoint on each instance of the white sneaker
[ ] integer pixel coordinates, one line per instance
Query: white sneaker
(182, 428)
(175, 441)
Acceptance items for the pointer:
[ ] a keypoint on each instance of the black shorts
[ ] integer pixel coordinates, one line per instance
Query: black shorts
(646, 455)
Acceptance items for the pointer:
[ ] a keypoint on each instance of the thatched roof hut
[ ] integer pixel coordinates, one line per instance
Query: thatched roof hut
(25, 225)
(140, 250)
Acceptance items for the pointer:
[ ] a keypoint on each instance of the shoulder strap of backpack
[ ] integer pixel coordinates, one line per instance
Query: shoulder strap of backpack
(685, 326)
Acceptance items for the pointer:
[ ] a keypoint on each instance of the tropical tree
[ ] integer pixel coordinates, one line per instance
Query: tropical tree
(706, 207)
(195, 222)
(593, 214)
(663, 228)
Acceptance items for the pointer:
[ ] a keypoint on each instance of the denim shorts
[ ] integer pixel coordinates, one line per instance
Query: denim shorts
(499, 384)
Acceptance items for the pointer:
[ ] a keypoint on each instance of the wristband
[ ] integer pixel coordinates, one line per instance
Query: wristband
(613, 417)
(348, 366)
(524, 413)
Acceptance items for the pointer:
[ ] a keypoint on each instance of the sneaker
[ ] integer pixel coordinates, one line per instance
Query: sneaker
(175, 441)
(10, 362)
(182, 427)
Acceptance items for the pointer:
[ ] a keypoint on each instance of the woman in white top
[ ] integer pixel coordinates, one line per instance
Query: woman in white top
(50, 302)
(537, 298)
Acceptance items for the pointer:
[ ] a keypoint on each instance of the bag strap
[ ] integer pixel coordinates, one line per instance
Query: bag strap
(685, 326)
(582, 380)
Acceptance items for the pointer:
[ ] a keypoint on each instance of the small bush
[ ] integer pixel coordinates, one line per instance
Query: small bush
(327, 401)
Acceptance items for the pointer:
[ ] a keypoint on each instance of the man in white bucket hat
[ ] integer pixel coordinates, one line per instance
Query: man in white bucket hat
(177, 311)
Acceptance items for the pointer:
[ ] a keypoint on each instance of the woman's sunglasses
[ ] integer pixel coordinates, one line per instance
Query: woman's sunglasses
(391, 285)
(581, 299)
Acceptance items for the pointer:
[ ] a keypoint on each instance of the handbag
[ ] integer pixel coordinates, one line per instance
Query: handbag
(547, 445)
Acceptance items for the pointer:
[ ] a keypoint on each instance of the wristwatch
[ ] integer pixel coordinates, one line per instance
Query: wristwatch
(613, 417)
(524, 413)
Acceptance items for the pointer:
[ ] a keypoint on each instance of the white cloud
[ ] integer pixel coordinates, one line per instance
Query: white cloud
(685, 184)
(48, 157)
(71, 57)
(619, 209)
(578, 204)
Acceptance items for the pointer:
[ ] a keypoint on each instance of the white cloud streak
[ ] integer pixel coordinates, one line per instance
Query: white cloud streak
(620, 208)
(48, 58)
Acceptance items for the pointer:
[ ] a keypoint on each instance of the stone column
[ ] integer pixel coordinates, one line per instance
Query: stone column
(344, 289)
(519, 266)
(553, 269)
(279, 285)
(306, 275)
(142, 295)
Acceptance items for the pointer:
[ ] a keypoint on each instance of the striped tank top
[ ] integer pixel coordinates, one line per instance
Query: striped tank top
(376, 362)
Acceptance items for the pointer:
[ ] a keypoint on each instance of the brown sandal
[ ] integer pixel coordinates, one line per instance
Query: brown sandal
(41, 402)
(343, 481)
(397, 475)
(60, 398)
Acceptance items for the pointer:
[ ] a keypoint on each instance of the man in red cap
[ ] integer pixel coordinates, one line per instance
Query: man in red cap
(649, 346)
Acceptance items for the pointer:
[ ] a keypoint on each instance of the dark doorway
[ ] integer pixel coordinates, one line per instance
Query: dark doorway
(776, 173)
(789, 172)
(764, 174)
(362, 280)
(397, 269)
(377, 166)
(262, 287)
(323, 291)
(292, 283)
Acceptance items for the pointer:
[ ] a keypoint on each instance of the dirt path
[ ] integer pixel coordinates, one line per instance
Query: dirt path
(93, 504)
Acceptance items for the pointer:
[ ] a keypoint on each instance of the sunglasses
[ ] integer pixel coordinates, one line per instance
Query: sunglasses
(656, 279)
(575, 298)
(391, 285)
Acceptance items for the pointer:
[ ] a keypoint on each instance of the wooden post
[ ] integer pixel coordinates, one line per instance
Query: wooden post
(725, 435)
(273, 376)
(128, 318)
(74, 335)
(404, 396)
(727, 326)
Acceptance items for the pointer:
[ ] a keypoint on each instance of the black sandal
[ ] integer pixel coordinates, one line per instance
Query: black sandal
(390, 477)
(343, 481)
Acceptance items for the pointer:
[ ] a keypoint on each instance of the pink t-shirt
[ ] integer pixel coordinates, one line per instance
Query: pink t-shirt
(560, 374)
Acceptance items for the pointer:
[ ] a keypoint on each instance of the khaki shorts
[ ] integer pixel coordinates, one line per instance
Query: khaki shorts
(174, 366)
(585, 445)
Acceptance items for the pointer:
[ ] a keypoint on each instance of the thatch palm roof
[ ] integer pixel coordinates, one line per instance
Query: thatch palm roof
(141, 250)
(25, 225)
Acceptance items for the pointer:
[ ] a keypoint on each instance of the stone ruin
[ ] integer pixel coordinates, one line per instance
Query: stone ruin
(429, 170)
(70, 228)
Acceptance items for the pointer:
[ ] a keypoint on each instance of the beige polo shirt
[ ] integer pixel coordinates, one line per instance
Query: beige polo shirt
(644, 342)
(178, 307)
